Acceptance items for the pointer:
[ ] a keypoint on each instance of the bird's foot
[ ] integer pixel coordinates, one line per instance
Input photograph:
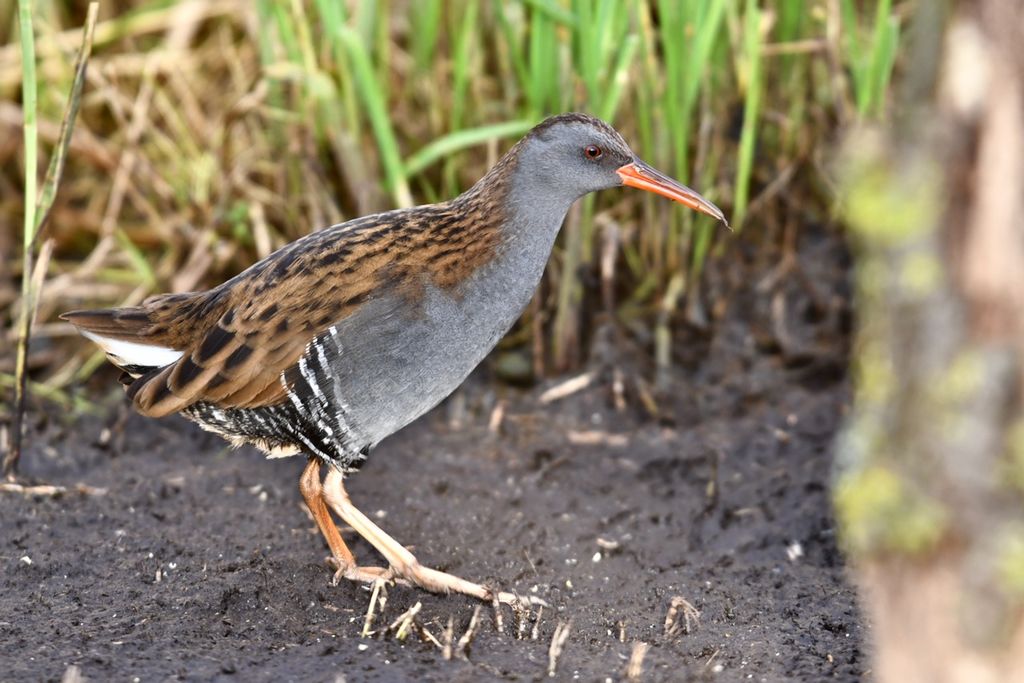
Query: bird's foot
(519, 603)
(351, 572)
(441, 582)
(403, 564)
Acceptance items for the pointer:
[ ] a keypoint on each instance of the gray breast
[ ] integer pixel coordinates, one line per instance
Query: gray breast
(392, 361)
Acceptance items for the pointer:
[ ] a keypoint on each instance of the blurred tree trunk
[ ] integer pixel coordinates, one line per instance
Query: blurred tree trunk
(930, 480)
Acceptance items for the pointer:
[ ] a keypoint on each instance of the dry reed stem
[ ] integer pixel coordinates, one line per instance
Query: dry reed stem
(558, 640)
(567, 388)
(378, 594)
(691, 617)
(467, 637)
(404, 622)
(635, 665)
(449, 636)
(499, 621)
(50, 490)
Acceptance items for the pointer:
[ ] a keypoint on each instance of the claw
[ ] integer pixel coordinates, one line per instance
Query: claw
(342, 570)
(517, 601)
(339, 570)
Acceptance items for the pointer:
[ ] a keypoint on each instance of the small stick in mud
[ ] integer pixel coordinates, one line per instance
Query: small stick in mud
(378, 590)
(567, 388)
(596, 437)
(635, 665)
(449, 636)
(618, 390)
(497, 417)
(535, 632)
(499, 621)
(404, 621)
(49, 490)
(426, 635)
(691, 617)
(522, 617)
(72, 674)
(467, 637)
(557, 645)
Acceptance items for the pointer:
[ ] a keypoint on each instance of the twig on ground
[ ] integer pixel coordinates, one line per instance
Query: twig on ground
(522, 617)
(497, 417)
(425, 634)
(449, 636)
(404, 621)
(691, 617)
(646, 396)
(595, 437)
(467, 637)
(499, 621)
(535, 631)
(378, 590)
(73, 674)
(635, 666)
(49, 489)
(558, 645)
(618, 389)
(567, 388)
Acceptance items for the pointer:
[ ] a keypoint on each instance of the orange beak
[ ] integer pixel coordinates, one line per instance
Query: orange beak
(640, 175)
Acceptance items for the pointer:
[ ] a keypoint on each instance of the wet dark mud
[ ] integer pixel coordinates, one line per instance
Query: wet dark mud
(199, 563)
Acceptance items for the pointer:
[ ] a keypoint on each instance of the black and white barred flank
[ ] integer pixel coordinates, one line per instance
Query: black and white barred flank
(313, 421)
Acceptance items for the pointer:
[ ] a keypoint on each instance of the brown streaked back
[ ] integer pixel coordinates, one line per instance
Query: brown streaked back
(239, 338)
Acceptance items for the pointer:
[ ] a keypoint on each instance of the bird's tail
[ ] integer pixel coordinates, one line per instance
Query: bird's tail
(140, 338)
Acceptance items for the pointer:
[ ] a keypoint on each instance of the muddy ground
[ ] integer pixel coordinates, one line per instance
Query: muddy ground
(198, 563)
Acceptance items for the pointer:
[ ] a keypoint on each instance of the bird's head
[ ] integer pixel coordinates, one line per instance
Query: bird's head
(583, 154)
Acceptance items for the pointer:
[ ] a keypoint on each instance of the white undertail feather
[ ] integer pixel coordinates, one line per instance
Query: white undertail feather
(133, 353)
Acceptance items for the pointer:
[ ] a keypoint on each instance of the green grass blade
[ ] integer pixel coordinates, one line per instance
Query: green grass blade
(372, 95)
(512, 44)
(543, 63)
(616, 84)
(36, 214)
(29, 110)
(751, 110)
(425, 16)
(29, 106)
(460, 140)
(552, 12)
(60, 152)
(332, 13)
(461, 64)
(883, 55)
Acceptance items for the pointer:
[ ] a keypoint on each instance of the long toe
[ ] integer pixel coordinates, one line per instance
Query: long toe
(441, 582)
(520, 601)
(362, 574)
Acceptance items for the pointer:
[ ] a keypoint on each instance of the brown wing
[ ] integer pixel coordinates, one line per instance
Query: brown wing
(238, 339)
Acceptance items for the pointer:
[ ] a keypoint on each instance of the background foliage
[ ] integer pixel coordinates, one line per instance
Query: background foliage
(212, 133)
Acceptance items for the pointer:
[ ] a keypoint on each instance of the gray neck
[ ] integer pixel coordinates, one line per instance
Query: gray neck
(535, 215)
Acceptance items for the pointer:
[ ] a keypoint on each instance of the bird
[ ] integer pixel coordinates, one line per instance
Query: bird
(341, 338)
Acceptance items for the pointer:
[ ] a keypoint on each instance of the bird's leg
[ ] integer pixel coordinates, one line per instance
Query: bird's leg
(341, 557)
(403, 562)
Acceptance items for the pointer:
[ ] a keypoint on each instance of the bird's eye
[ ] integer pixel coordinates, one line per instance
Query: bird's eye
(593, 151)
